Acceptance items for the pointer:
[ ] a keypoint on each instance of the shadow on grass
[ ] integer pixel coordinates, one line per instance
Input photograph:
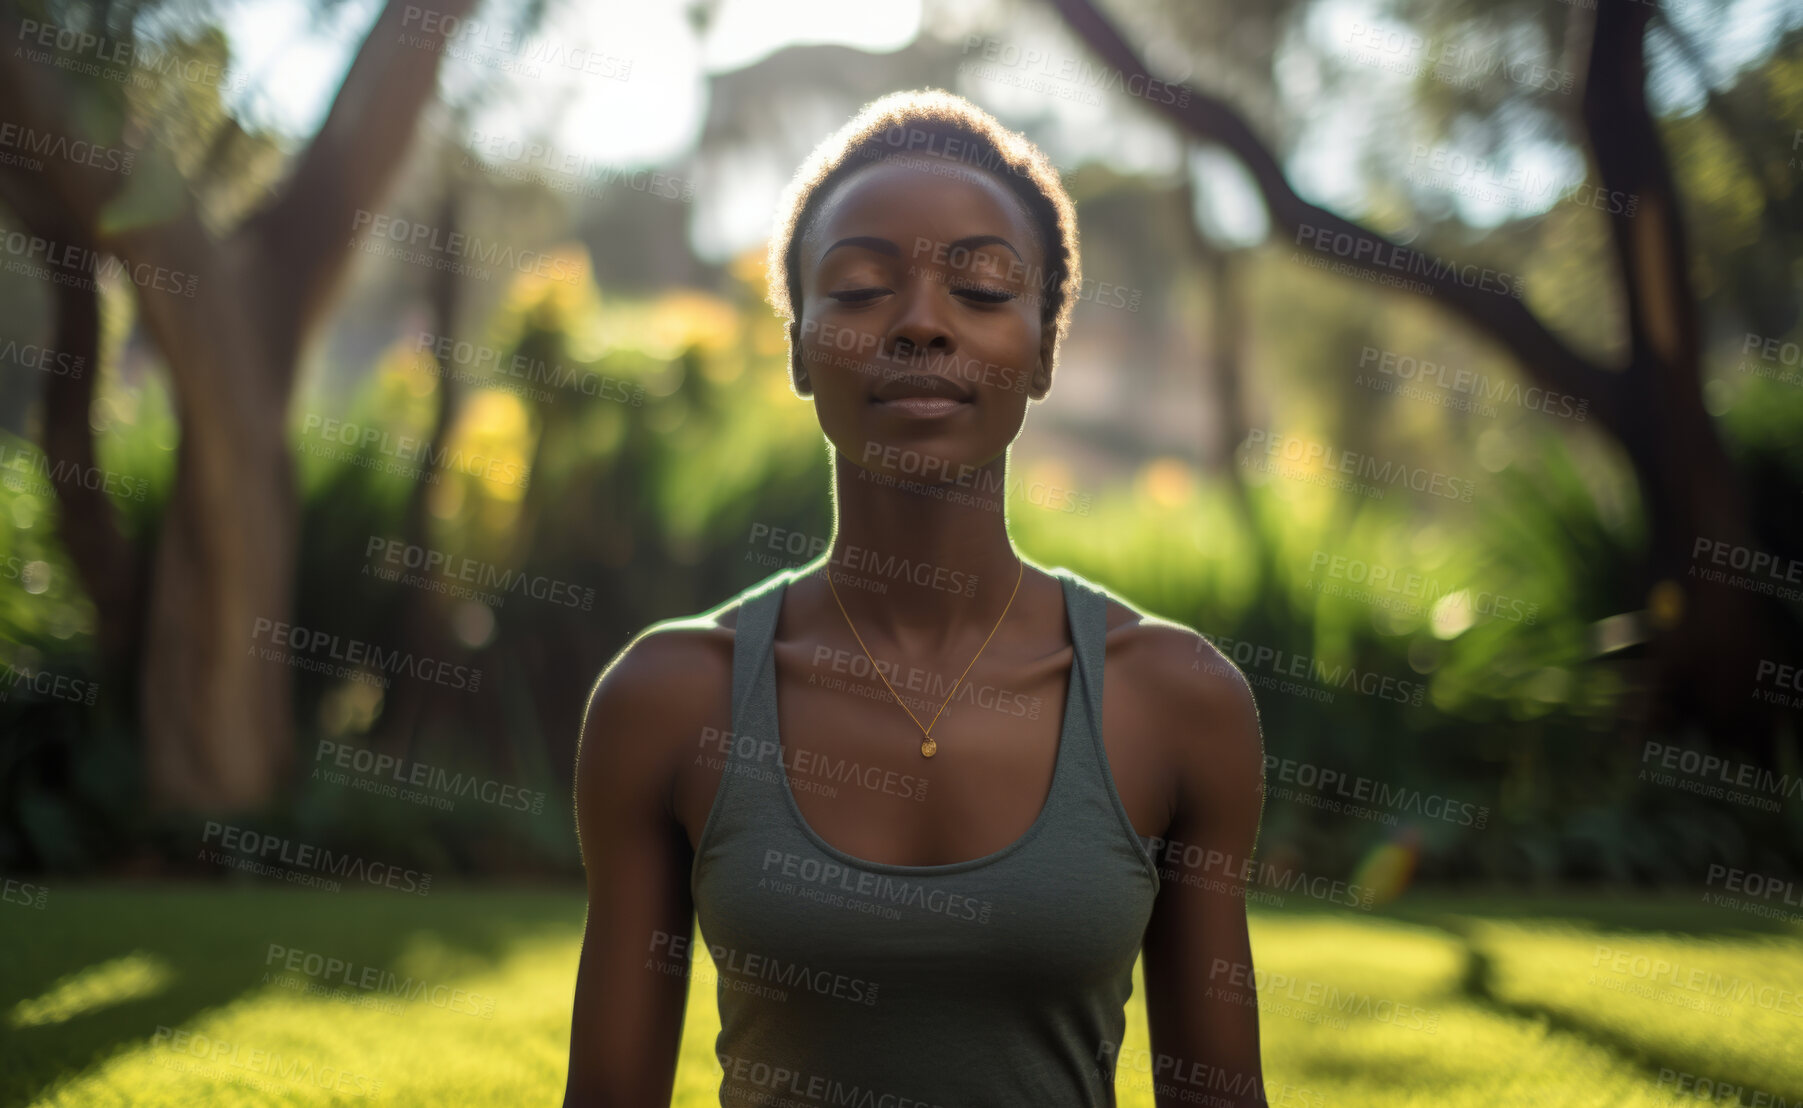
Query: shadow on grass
(1678, 913)
(1612, 916)
(216, 942)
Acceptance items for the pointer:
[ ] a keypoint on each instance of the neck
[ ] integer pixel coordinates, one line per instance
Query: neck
(915, 569)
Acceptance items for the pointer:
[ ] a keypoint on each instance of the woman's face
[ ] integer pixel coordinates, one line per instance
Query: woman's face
(919, 328)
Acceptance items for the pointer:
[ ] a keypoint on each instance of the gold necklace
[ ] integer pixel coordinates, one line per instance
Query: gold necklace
(927, 744)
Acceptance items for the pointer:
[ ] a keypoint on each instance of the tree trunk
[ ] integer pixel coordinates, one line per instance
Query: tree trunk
(215, 704)
(1707, 649)
(216, 694)
(1706, 653)
(110, 568)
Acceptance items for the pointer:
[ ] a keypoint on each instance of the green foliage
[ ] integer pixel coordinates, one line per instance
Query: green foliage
(652, 438)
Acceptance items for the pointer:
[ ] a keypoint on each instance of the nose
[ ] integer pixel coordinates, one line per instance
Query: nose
(921, 327)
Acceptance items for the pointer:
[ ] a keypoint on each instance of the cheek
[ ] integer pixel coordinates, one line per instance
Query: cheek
(1005, 361)
(835, 348)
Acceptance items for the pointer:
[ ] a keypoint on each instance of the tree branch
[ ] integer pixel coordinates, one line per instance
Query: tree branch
(64, 201)
(302, 239)
(35, 98)
(1541, 354)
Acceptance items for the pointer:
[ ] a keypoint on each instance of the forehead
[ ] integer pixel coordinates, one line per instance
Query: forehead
(902, 201)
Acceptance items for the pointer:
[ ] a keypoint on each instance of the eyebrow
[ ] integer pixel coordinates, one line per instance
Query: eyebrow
(884, 246)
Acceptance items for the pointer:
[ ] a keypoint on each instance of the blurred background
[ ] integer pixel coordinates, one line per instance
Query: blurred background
(369, 375)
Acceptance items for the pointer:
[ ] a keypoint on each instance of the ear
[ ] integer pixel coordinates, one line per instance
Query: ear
(1042, 369)
(798, 377)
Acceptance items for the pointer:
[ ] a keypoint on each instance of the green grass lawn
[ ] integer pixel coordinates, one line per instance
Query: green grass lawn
(166, 995)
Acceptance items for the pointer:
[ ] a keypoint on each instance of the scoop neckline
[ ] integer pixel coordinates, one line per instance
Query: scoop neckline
(1058, 759)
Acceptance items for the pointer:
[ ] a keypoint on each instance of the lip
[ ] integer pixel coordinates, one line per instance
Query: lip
(921, 385)
(924, 407)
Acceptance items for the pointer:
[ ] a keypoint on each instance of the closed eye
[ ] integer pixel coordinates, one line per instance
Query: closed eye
(854, 296)
(985, 295)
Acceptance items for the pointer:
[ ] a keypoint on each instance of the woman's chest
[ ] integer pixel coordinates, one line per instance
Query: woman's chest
(848, 763)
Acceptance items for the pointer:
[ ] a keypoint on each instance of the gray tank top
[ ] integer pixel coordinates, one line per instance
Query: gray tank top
(999, 980)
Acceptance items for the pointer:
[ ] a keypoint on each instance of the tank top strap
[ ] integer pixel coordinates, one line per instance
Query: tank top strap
(753, 633)
(1088, 609)
(1090, 774)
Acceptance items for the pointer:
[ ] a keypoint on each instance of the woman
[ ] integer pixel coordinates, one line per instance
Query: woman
(920, 889)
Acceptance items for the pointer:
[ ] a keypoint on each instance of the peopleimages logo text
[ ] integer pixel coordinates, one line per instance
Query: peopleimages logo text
(400, 554)
(1714, 767)
(429, 777)
(71, 259)
(57, 363)
(320, 645)
(1192, 863)
(305, 856)
(63, 148)
(257, 1060)
(1311, 456)
(408, 448)
(1366, 682)
(1375, 252)
(463, 247)
(1407, 368)
(339, 971)
(1399, 798)
(491, 360)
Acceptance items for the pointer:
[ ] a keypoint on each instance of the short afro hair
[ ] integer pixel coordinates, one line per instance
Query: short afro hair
(936, 123)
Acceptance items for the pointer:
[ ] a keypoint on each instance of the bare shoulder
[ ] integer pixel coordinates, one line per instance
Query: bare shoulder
(652, 702)
(1191, 703)
(1177, 672)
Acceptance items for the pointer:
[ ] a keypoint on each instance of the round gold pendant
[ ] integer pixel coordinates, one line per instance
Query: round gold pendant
(927, 746)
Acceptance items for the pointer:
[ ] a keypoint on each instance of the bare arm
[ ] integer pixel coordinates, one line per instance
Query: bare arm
(1201, 1004)
(632, 984)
